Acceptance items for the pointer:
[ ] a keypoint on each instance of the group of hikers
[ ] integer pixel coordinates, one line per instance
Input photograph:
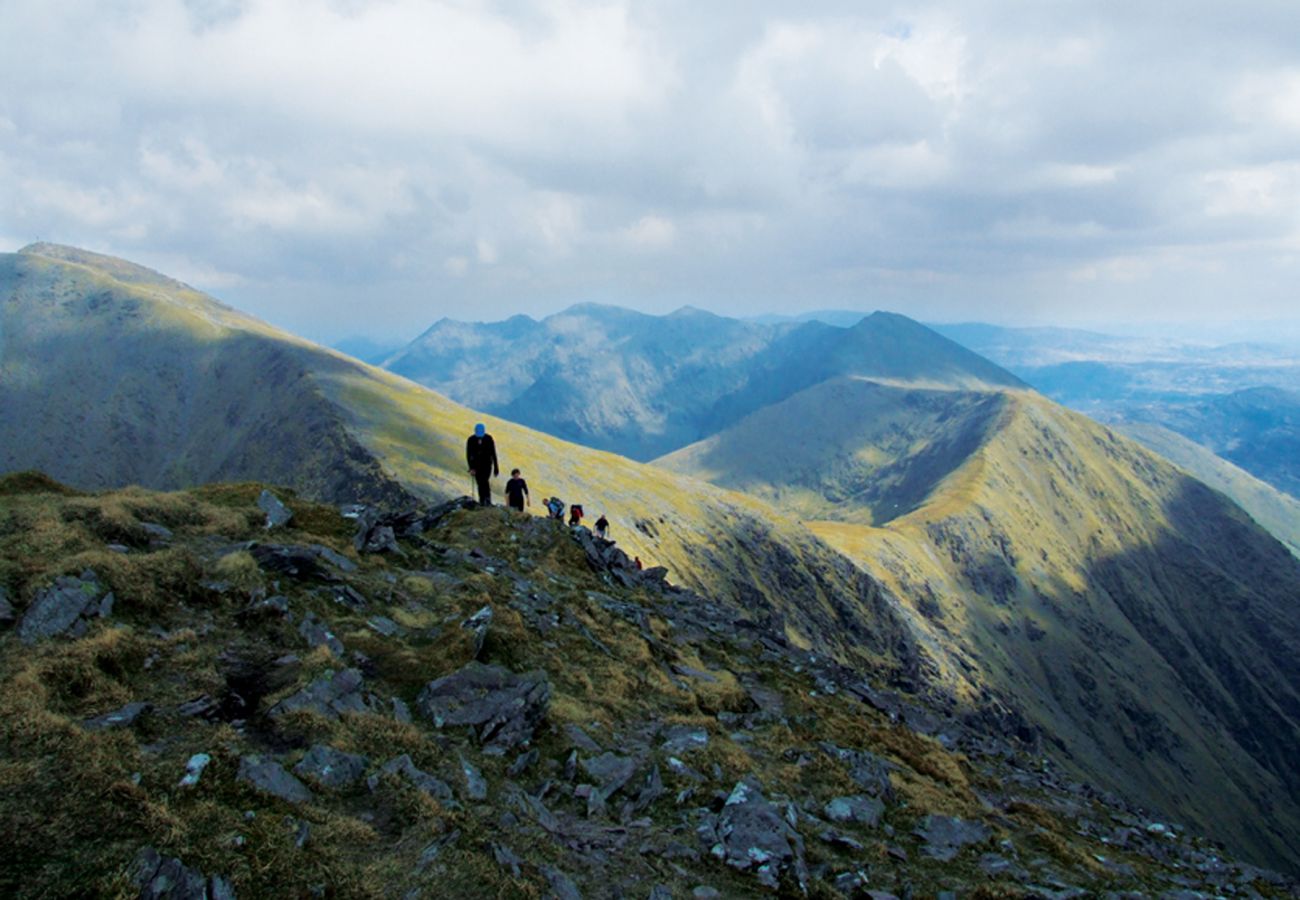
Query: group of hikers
(481, 457)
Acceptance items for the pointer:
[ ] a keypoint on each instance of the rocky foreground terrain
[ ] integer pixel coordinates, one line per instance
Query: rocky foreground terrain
(229, 692)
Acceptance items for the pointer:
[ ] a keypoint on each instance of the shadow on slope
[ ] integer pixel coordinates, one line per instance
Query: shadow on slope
(849, 449)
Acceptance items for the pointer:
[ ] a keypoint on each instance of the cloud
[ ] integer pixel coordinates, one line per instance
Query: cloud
(446, 156)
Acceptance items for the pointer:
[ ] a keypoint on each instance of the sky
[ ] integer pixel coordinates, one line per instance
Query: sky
(366, 167)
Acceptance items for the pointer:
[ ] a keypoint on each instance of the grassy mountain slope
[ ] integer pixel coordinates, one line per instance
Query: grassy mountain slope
(1144, 621)
(851, 448)
(115, 375)
(656, 700)
(1274, 510)
(646, 385)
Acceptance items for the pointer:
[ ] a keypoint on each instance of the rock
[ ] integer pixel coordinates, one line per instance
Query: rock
(203, 705)
(7, 614)
(167, 878)
(317, 634)
(269, 777)
(66, 606)
(506, 858)
(681, 738)
(704, 892)
(122, 718)
(523, 762)
(296, 562)
(194, 770)
(477, 625)
(157, 533)
(330, 767)
(610, 772)
(384, 625)
(580, 739)
(660, 892)
(334, 558)
(944, 836)
(754, 836)
(331, 695)
(858, 809)
(562, 885)
(277, 514)
(433, 786)
(382, 540)
(501, 707)
(869, 771)
(401, 712)
(476, 786)
(651, 790)
(430, 853)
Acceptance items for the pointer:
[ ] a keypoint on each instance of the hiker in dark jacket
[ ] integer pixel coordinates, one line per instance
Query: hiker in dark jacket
(517, 492)
(481, 456)
(602, 526)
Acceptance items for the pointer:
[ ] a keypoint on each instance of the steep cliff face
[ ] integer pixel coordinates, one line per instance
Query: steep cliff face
(1139, 618)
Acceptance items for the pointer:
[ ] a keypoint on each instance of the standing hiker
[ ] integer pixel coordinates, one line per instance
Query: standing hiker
(575, 515)
(481, 456)
(517, 492)
(602, 526)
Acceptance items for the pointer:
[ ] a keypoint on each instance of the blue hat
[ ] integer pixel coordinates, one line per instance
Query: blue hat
(480, 429)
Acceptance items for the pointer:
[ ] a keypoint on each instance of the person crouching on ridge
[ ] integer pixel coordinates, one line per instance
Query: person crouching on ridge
(481, 456)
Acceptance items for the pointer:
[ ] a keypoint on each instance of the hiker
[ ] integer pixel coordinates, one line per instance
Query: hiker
(636, 561)
(602, 527)
(575, 515)
(554, 506)
(481, 456)
(517, 492)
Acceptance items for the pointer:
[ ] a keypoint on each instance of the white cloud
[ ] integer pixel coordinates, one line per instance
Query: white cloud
(751, 156)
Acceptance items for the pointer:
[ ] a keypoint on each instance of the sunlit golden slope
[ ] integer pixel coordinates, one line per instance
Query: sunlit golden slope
(115, 375)
(1140, 619)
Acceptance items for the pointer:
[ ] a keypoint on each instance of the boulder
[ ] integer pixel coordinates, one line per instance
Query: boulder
(681, 738)
(317, 634)
(404, 767)
(754, 836)
(331, 696)
(121, 718)
(502, 708)
(269, 777)
(287, 559)
(167, 878)
(277, 514)
(477, 626)
(331, 768)
(65, 607)
(476, 786)
(945, 836)
(868, 771)
(858, 809)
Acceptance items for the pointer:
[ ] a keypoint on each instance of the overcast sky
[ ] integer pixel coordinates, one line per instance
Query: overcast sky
(346, 167)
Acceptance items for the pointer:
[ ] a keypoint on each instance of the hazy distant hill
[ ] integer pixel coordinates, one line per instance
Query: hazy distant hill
(1257, 429)
(114, 375)
(1147, 623)
(1239, 400)
(644, 385)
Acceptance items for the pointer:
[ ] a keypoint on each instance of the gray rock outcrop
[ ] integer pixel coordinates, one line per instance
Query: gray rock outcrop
(167, 878)
(277, 514)
(502, 708)
(752, 835)
(330, 767)
(331, 695)
(66, 607)
(269, 777)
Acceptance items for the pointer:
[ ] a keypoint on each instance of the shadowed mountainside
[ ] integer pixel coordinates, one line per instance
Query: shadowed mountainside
(1146, 623)
(645, 385)
(1274, 510)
